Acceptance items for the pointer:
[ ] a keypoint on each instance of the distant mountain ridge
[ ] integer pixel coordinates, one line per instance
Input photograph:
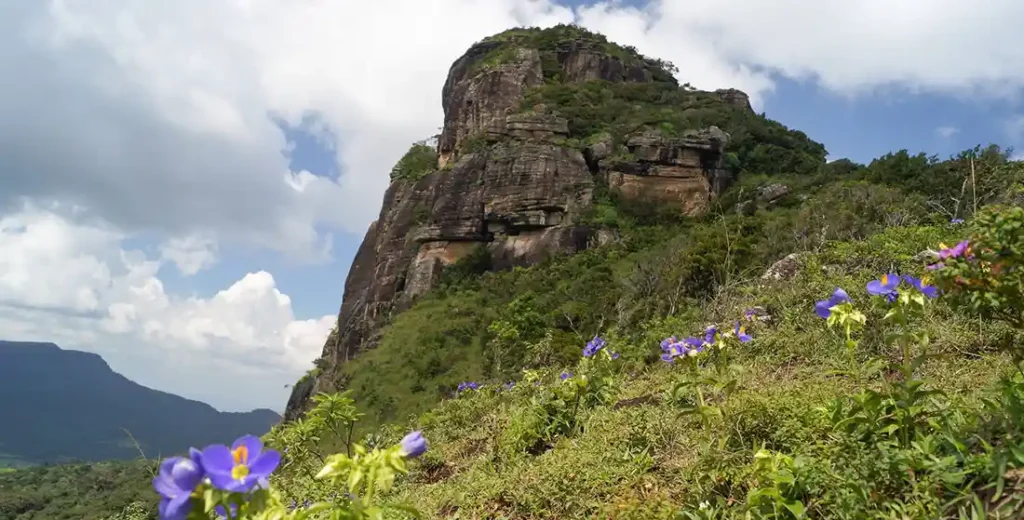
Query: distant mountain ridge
(59, 405)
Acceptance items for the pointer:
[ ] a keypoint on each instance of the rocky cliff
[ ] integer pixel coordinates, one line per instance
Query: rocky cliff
(537, 125)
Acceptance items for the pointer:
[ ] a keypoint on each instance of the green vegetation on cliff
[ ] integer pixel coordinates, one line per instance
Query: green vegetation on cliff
(562, 38)
(757, 144)
(420, 160)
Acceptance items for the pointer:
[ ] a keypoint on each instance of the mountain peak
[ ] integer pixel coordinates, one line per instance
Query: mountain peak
(66, 404)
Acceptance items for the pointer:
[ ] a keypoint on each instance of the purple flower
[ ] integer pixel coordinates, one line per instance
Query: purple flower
(932, 267)
(956, 251)
(688, 347)
(741, 333)
(468, 385)
(956, 221)
(885, 286)
(413, 445)
(710, 335)
(177, 479)
(823, 308)
(919, 283)
(593, 346)
(667, 343)
(241, 467)
(615, 355)
(565, 375)
(509, 385)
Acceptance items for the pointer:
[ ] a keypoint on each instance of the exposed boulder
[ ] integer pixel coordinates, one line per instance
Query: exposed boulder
(784, 269)
(772, 192)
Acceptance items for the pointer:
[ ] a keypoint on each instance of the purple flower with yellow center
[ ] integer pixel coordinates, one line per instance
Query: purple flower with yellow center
(921, 285)
(823, 308)
(593, 347)
(885, 286)
(741, 333)
(175, 482)
(413, 445)
(241, 467)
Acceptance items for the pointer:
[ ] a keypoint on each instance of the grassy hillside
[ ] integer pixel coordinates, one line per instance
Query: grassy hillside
(799, 428)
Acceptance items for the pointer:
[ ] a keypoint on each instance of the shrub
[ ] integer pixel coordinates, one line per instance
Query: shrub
(420, 160)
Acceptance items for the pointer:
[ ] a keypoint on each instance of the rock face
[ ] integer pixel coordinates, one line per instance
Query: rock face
(508, 184)
(685, 172)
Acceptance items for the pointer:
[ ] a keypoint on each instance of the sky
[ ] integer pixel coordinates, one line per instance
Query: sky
(183, 184)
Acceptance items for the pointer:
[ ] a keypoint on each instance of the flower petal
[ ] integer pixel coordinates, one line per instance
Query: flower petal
(253, 446)
(167, 465)
(223, 481)
(165, 487)
(822, 307)
(840, 296)
(178, 508)
(186, 474)
(876, 288)
(265, 464)
(217, 459)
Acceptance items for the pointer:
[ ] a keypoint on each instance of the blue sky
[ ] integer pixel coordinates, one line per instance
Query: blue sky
(166, 192)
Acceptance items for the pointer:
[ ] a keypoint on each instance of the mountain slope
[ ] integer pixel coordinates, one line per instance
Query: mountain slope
(548, 135)
(59, 404)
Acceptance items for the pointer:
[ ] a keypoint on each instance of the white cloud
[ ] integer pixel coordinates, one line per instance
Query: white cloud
(946, 131)
(71, 283)
(158, 118)
(190, 254)
(162, 110)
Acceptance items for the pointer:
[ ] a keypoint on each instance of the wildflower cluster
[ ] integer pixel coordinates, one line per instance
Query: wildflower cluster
(695, 392)
(234, 482)
(713, 340)
(982, 274)
(466, 385)
(597, 345)
(555, 410)
(929, 458)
